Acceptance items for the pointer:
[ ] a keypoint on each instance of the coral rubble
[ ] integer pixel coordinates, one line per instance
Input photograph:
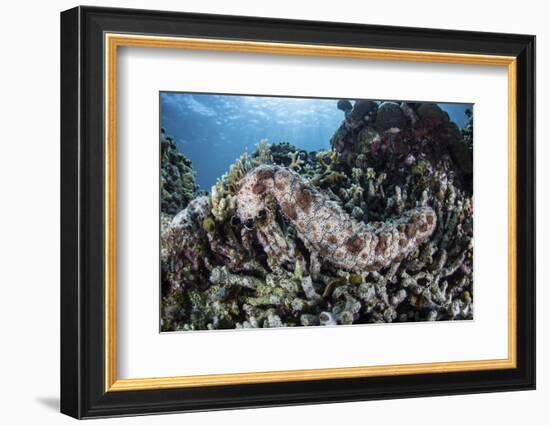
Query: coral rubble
(379, 228)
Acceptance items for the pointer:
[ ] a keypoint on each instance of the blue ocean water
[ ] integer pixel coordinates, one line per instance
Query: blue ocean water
(214, 130)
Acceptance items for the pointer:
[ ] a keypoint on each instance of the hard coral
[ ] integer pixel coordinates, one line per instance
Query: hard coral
(177, 177)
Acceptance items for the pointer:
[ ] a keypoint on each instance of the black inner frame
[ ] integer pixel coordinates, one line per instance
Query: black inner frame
(82, 212)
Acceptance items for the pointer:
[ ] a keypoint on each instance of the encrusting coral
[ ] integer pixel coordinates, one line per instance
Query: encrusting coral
(379, 228)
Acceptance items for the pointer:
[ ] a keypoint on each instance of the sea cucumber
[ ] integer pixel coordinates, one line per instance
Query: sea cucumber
(324, 227)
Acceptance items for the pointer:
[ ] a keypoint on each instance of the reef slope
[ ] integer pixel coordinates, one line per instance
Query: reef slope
(379, 228)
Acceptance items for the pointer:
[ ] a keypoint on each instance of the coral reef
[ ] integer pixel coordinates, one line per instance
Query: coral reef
(379, 228)
(177, 178)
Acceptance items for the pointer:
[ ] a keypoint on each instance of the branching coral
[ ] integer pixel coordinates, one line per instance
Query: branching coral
(222, 195)
(262, 155)
(295, 161)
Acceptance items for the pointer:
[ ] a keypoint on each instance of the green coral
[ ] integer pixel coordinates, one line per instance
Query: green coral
(355, 279)
(419, 168)
(209, 225)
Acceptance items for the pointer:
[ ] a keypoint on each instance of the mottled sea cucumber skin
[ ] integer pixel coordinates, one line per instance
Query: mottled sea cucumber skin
(328, 230)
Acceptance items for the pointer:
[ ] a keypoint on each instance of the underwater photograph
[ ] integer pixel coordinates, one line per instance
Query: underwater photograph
(287, 211)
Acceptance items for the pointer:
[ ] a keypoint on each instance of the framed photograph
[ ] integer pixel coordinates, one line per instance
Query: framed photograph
(261, 212)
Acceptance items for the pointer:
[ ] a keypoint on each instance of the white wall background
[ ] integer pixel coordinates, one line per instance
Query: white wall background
(29, 211)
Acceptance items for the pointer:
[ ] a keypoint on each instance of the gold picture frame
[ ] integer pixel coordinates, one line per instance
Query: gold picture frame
(114, 41)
